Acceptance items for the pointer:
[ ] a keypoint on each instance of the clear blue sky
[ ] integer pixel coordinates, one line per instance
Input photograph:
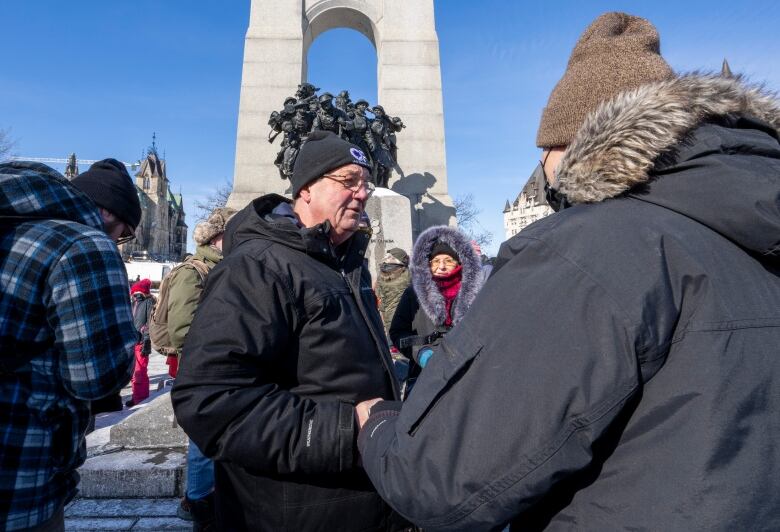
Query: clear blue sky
(97, 77)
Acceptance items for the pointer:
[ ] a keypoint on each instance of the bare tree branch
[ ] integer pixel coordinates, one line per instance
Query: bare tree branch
(6, 143)
(218, 198)
(467, 215)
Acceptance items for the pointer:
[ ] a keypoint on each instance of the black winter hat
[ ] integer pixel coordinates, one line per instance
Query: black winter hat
(442, 248)
(322, 152)
(108, 184)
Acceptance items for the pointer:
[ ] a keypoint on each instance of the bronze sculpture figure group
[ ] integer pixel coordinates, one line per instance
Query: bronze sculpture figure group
(307, 111)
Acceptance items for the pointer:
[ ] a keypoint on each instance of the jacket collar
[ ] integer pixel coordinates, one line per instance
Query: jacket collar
(271, 217)
(208, 253)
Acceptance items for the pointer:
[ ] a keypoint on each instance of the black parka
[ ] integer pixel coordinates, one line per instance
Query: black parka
(620, 370)
(142, 314)
(286, 339)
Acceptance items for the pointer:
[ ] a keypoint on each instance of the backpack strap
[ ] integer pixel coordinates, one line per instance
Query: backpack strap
(199, 266)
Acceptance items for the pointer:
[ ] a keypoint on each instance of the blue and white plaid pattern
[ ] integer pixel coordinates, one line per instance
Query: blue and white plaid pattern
(64, 302)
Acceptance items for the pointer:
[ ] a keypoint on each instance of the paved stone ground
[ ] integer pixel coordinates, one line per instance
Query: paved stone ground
(125, 514)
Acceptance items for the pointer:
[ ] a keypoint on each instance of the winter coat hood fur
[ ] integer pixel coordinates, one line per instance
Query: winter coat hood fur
(428, 294)
(620, 142)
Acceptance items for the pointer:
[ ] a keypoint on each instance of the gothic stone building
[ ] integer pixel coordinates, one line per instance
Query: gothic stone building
(163, 232)
(528, 207)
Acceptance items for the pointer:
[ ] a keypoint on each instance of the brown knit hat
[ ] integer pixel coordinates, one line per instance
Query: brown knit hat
(616, 53)
(215, 224)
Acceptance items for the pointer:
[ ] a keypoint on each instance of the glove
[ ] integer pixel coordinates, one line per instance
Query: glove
(423, 355)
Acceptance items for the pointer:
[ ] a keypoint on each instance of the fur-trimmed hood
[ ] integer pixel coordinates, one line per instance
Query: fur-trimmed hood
(716, 136)
(431, 300)
(618, 144)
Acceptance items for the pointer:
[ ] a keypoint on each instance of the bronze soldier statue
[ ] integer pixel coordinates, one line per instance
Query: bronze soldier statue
(344, 103)
(282, 122)
(358, 128)
(329, 118)
(296, 132)
(393, 124)
(306, 92)
(383, 144)
(279, 117)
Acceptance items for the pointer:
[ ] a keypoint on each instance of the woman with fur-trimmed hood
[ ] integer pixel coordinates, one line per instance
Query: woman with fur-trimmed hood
(446, 277)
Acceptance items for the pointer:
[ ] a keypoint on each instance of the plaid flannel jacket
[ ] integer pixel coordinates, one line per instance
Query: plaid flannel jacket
(64, 307)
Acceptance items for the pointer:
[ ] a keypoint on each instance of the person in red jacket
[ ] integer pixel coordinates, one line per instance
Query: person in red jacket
(143, 305)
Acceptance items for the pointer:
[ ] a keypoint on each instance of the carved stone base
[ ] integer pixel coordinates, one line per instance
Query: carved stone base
(391, 216)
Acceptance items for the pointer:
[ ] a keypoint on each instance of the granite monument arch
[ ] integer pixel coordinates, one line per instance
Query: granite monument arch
(408, 80)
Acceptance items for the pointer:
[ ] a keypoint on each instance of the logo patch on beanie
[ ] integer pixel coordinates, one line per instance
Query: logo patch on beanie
(359, 156)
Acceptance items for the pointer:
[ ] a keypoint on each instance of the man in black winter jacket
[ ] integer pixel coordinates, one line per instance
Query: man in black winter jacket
(285, 342)
(620, 370)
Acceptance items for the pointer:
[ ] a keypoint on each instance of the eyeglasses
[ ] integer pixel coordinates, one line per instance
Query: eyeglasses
(351, 183)
(127, 235)
(447, 262)
(542, 162)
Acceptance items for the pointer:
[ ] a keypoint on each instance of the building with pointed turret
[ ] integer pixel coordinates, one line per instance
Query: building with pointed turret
(72, 167)
(163, 231)
(528, 207)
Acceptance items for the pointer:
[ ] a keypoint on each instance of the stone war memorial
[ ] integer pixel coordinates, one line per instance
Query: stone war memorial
(142, 453)
(407, 121)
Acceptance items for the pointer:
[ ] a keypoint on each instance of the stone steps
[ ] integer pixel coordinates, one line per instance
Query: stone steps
(134, 473)
(88, 515)
(145, 455)
(140, 453)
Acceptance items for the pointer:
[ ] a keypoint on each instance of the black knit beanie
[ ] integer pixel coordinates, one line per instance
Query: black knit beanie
(322, 152)
(108, 184)
(440, 248)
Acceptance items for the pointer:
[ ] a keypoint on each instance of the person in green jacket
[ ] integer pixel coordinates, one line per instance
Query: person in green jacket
(186, 286)
(393, 279)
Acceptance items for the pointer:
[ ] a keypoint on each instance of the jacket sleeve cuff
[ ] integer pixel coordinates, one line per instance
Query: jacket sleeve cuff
(381, 413)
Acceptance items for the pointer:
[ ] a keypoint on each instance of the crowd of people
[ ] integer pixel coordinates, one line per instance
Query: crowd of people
(618, 368)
